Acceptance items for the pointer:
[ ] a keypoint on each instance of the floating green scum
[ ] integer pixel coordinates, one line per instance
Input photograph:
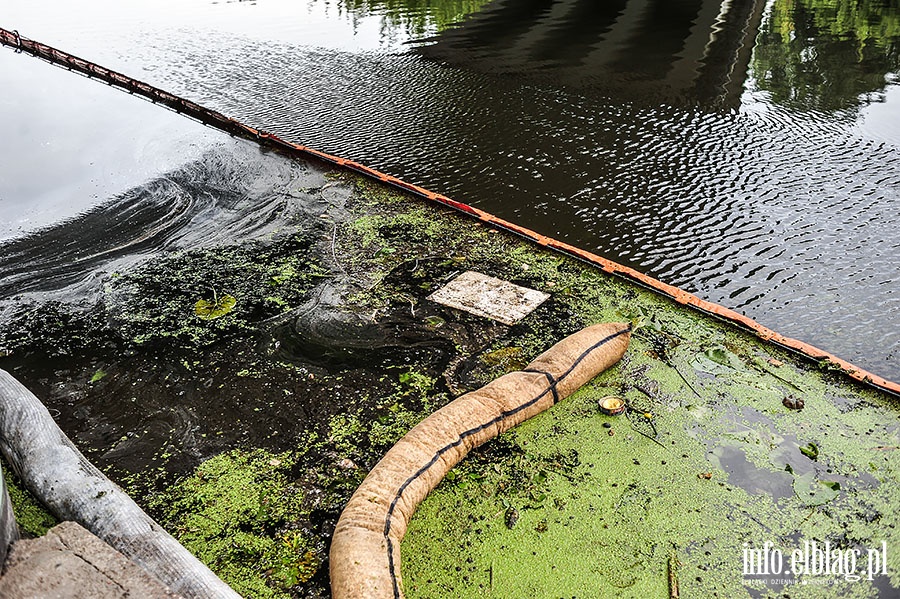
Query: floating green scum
(570, 503)
(601, 508)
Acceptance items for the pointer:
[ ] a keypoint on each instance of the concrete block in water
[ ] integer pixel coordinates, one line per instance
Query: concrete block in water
(69, 562)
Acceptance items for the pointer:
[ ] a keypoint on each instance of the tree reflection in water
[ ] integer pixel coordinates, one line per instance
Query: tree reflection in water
(828, 54)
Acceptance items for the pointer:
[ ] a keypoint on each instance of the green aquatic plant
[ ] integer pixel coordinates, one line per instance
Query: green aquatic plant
(156, 302)
(238, 513)
(416, 381)
(810, 450)
(220, 306)
(33, 519)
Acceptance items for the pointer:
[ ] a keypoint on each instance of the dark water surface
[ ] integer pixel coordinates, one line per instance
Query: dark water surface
(746, 151)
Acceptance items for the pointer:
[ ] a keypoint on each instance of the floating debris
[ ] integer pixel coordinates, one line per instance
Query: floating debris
(611, 405)
(673, 575)
(793, 403)
(512, 517)
(490, 297)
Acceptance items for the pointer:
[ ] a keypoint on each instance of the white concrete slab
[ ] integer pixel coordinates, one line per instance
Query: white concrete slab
(489, 297)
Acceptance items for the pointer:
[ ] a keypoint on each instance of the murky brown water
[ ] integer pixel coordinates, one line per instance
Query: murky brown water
(748, 152)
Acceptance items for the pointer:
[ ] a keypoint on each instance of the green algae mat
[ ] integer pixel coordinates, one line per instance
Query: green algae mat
(743, 471)
(242, 392)
(575, 503)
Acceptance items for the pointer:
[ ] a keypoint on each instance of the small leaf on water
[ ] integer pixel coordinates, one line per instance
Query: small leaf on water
(211, 310)
(718, 355)
(811, 450)
(98, 375)
(815, 492)
(434, 321)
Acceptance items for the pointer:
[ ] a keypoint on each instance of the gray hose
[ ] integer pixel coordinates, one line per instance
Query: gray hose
(9, 532)
(74, 489)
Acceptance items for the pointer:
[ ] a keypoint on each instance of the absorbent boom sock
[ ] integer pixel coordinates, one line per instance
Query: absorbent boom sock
(365, 549)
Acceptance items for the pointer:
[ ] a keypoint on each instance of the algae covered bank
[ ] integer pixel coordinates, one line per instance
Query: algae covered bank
(241, 390)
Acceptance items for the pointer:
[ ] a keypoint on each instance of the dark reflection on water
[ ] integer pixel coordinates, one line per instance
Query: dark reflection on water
(655, 133)
(649, 51)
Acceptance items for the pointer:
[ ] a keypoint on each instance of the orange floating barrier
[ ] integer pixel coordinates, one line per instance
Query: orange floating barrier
(234, 127)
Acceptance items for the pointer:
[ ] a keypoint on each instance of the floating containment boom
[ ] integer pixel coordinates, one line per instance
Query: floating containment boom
(365, 550)
(234, 127)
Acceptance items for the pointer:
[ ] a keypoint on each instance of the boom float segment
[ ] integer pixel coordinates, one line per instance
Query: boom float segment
(365, 549)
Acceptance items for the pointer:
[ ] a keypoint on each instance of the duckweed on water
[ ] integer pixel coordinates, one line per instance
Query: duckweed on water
(194, 298)
(239, 514)
(735, 467)
(31, 516)
(561, 505)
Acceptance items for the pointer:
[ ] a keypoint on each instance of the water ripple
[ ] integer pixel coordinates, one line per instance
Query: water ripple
(235, 192)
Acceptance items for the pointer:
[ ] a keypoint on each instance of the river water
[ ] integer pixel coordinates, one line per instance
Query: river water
(748, 152)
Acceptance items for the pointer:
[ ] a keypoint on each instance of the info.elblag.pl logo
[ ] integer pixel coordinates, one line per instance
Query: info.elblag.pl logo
(813, 561)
